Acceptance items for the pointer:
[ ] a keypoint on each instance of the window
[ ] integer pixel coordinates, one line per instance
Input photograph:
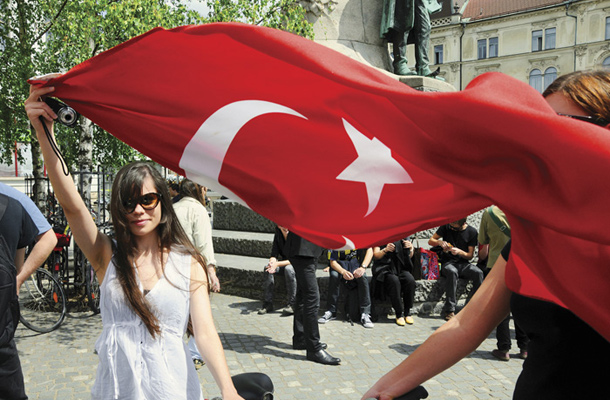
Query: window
(438, 54)
(550, 74)
(493, 47)
(606, 63)
(537, 41)
(549, 38)
(536, 80)
(540, 81)
(482, 49)
(548, 43)
(607, 28)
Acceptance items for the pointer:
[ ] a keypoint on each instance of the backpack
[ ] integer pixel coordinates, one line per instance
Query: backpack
(9, 303)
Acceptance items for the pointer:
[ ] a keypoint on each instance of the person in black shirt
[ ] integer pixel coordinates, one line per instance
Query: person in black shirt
(457, 240)
(279, 264)
(18, 230)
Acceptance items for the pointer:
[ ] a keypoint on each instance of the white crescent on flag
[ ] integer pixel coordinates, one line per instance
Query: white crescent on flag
(206, 150)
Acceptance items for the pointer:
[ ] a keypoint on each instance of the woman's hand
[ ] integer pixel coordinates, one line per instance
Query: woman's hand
(36, 108)
(214, 281)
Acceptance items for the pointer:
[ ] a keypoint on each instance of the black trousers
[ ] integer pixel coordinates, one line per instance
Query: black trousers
(394, 286)
(11, 377)
(503, 335)
(307, 303)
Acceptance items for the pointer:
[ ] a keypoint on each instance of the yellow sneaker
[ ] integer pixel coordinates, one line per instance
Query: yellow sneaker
(400, 321)
(409, 320)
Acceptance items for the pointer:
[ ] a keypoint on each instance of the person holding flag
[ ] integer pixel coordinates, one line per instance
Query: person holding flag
(564, 351)
(153, 282)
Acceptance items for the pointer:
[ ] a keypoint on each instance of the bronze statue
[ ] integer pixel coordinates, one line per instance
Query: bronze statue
(398, 19)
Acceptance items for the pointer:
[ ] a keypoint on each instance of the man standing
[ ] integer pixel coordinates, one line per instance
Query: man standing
(494, 233)
(18, 230)
(398, 19)
(303, 256)
(457, 240)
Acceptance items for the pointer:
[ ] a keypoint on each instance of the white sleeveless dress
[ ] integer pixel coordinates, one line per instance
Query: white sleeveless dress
(133, 365)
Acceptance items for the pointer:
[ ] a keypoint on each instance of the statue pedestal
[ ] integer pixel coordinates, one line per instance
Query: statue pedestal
(425, 84)
(421, 83)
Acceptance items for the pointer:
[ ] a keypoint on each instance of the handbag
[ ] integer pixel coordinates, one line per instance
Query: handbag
(425, 263)
(429, 265)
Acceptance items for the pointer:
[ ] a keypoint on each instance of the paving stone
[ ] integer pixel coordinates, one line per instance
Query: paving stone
(61, 364)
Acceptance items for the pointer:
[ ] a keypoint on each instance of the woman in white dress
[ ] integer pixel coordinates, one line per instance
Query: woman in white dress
(153, 282)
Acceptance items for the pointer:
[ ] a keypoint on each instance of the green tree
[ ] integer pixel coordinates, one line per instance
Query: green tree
(22, 26)
(287, 15)
(41, 36)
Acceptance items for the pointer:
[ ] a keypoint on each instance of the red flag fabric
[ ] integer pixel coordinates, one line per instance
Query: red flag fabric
(348, 157)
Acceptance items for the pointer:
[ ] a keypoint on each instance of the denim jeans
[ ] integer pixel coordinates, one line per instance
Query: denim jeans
(269, 284)
(452, 271)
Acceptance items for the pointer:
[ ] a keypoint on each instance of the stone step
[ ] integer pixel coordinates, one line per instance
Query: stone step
(254, 244)
(252, 264)
(243, 276)
(229, 215)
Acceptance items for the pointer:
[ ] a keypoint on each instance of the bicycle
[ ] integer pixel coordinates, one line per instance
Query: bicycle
(92, 286)
(42, 302)
(57, 262)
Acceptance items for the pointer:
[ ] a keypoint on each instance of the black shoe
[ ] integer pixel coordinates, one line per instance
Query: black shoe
(322, 357)
(323, 346)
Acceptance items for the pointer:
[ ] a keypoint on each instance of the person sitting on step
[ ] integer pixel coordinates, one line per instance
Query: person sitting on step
(349, 268)
(279, 264)
(393, 276)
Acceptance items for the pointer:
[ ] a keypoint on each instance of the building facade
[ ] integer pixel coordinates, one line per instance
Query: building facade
(531, 40)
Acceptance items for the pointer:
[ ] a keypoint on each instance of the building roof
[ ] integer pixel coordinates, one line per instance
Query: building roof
(481, 9)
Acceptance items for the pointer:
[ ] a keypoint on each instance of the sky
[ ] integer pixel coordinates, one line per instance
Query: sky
(196, 5)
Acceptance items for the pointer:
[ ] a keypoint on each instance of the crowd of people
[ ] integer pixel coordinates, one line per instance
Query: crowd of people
(157, 272)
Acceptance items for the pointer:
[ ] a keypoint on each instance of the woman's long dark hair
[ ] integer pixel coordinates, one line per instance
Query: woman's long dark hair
(128, 185)
(188, 188)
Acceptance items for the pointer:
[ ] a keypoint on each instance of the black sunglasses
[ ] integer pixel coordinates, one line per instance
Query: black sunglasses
(587, 118)
(148, 201)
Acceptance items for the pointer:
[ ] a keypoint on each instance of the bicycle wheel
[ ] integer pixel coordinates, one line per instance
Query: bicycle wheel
(93, 288)
(42, 302)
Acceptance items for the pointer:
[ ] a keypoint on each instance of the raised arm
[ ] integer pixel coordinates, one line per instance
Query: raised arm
(452, 341)
(96, 246)
(206, 337)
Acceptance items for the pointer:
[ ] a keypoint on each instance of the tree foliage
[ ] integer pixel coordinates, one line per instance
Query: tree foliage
(287, 15)
(42, 36)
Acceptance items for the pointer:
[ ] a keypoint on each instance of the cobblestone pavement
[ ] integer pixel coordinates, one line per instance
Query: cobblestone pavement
(61, 364)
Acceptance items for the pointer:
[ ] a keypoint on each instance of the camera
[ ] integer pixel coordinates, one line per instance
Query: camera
(66, 115)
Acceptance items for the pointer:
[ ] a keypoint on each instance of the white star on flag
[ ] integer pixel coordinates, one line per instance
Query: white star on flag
(374, 166)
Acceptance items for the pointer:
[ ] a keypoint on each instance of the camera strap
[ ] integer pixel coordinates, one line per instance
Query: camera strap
(56, 150)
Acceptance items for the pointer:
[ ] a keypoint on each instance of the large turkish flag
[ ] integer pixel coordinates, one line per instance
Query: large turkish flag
(346, 156)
